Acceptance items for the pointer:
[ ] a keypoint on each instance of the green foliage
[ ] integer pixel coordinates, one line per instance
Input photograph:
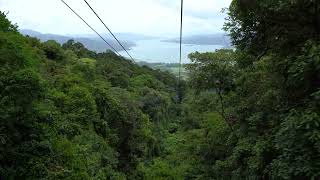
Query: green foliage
(212, 70)
(53, 50)
(279, 26)
(6, 25)
(77, 48)
(252, 112)
(247, 113)
(266, 92)
(69, 113)
(161, 170)
(298, 142)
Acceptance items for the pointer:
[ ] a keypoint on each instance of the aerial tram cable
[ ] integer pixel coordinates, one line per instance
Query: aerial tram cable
(181, 28)
(108, 29)
(91, 28)
(180, 56)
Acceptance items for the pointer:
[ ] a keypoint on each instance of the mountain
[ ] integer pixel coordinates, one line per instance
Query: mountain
(204, 39)
(91, 42)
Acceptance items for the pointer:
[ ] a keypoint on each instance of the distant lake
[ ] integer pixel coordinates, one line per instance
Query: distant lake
(156, 50)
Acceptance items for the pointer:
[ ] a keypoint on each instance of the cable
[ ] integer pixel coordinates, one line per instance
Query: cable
(91, 28)
(180, 57)
(181, 27)
(108, 29)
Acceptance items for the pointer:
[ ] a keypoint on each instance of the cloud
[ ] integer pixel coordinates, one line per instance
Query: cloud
(153, 17)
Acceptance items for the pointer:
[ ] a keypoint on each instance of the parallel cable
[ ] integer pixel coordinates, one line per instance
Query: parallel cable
(91, 28)
(108, 29)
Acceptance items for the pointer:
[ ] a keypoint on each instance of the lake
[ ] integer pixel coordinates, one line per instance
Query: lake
(156, 50)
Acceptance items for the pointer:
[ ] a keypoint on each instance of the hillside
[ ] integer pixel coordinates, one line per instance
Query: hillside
(251, 112)
(68, 112)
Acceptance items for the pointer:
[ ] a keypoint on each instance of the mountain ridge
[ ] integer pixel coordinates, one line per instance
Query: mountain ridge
(92, 43)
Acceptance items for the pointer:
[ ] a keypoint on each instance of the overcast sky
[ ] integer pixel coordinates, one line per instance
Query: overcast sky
(150, 17)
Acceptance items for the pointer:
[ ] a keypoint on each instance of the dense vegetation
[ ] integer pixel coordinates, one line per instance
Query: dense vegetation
(252, 112)
(69, 113)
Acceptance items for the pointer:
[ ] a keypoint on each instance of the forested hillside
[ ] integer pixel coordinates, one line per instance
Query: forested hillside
(252, 112)
(69, 113)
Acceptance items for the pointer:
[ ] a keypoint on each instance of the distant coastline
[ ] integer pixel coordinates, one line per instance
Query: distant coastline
(207, 39)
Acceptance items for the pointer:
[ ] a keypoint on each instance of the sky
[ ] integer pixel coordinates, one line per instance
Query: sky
(149, 17)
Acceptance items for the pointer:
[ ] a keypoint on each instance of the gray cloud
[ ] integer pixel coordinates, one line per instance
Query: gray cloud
(153, 17)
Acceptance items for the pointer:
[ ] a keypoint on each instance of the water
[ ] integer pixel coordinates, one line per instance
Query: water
(155, 50)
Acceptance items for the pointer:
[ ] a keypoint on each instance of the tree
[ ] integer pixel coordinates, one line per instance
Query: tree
(53, 50)
(213, 71)
(257, 27)
(6, 25)
(78, 48)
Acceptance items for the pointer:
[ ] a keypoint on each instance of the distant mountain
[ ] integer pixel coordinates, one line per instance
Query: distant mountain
(91, 42)
(122, 36)
(205, 39)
